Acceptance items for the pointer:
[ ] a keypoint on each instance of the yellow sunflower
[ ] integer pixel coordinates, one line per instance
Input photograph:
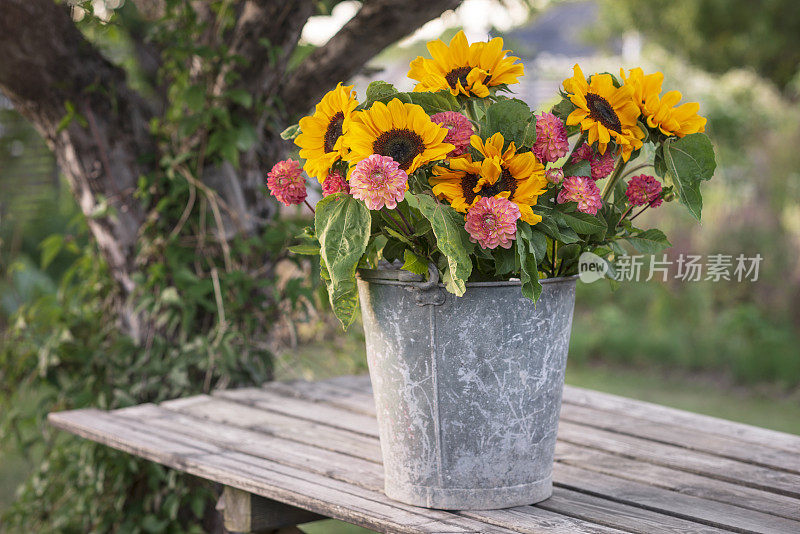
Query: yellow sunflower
(463, 68)
(661, 111)
(517, 177)
(401, 131)
(320, 140)
(606, 113)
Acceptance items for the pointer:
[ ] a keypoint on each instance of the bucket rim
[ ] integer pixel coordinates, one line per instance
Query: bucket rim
(405, 278)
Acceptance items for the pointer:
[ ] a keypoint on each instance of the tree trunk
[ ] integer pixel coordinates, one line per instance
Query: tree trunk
(99, 130)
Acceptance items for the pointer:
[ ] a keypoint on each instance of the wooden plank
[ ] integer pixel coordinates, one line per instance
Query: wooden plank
(657, 451)
(348, 399)
(691, 484)
(679, 481)
(312, 411)
(337, 465)
(682, 459)
(225, 411)
(353, 393)
(704, 423)
(340, 467)
(615, 514)
(661, 431)
(688, 507)
(750, 496)
(533, 520)
(290, 485)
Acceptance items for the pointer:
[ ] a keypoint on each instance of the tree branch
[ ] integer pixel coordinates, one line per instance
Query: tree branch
(265, 36)
(47, 68)
(377, 24)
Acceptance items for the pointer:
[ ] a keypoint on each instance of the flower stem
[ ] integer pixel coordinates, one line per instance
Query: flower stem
(638, 167)
(405, 221)
(644, 208)
(310, 207)
(624, 215)
(609, 187)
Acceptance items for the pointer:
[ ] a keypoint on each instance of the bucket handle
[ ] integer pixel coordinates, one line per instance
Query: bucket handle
(428, 293)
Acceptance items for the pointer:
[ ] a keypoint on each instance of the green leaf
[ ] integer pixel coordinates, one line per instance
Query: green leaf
(509, 117)
(451, 238)
(397, 235)
(246, 136)
(50, 247)
(291, 132)
(241, 97)
(379, 90)
(583, 223)
(529, 136)
(569, 252)
(538, 243)
(342, 225)
(505, 261)
(305, 249)
(529, 272)
(563, 109)
(414, 263)
(649, 242)
(195, 97)
(684, 163)
(435, 102)
(578, 168)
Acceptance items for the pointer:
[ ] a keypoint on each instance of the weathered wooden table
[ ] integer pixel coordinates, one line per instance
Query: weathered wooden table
(621, 465)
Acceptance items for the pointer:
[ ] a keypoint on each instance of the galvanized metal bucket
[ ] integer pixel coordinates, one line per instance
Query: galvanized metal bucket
(467, 389)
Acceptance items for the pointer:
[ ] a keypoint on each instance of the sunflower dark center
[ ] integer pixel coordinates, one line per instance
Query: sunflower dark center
(601, 111)
(334, 131)
(506, 182)
(402, 145)
(457, 75)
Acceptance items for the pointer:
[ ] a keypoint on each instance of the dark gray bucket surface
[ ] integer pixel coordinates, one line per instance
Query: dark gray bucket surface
(467, 389)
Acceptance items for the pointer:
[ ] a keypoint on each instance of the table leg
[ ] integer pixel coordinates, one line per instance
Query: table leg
(244, 512)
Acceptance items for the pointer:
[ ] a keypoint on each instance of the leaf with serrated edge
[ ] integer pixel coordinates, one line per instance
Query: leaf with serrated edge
(451, 238)
(414, 263)
(649, 242)
(529, 273)
(342, 225)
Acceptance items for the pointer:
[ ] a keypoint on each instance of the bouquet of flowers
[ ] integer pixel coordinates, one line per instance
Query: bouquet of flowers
(459, 176)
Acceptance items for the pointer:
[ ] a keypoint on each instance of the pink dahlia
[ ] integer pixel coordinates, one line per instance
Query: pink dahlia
(492, 221)
(378, 181)
(551, 138)
(554, 175)
(644, 189)
(602, 164)
(286, 182)
(584, 191)
(459, 130)
(334, 183)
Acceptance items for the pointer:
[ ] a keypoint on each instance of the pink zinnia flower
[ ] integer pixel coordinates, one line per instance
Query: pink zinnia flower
(601, 164)
(334, 183)
(492, 221)
(378, 181)
(551, 138)
(644, 189)
(555, 175)
(459, 130)
(286, 182)
(584, 191)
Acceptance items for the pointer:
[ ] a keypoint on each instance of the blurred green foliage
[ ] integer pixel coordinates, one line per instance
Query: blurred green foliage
(206, 305)
(719, 34)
